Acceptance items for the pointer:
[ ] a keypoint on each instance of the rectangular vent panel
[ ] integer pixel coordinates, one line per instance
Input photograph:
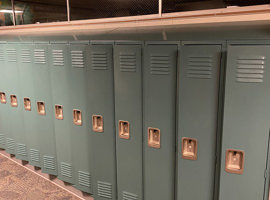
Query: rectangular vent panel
(66, 170)
(99, 61)
(2, 139)
(11, 55)
(58, 57)
(34, 155)
(159, 64)
(84, 179)
(199, 67)
(25, 56)
(104, 190)
(250, 69)
(129, 196)
(40, 56)
(10, 143)
(77, 59)
(2, 57)
(127, 62)
(49, 162)
(21, 148)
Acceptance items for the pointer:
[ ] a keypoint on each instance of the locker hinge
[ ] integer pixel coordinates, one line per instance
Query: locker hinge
(265, 173)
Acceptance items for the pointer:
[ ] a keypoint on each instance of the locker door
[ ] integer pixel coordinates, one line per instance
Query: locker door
(62, 110)
(43, 103)
(4, 103)
(78, 110)
(26, 72)
(197, 121)
(159, 90)
(246, 123)
(101, 117)
(15, 120)
(128, 119)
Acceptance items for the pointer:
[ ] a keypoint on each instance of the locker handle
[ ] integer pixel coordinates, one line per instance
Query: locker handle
(27, 104)
(3, 98)
(41, 108)
(13, 100)
(154, 137)
(59, 112)
(124, 130)
(97, 123)
(189, 148)
(77, 117)
(235, 161)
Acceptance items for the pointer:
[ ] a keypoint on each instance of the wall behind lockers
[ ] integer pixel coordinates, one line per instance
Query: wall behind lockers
(18, 12)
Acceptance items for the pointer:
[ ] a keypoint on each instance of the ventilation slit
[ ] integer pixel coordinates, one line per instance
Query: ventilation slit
(104, 190)
(58, 57)
(40, 57)
(22, 149)
(99, 61)
(199, 67)
(84, 179)
(11, 55)
(49, 162)
(34, 155)
(25, 56)
(66, 170)
(159, 64)
(129, 196)
(127, 62)
(77, 59)
(10, 143)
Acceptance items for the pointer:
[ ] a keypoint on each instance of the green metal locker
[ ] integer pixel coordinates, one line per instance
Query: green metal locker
(45, 113)
(128, 118)
(101, 117)
(159, 94)
(80, 123)
(60, 80)
(26, 72)
(14, 101)
(198, 87)
(4, 104)
(245, 140)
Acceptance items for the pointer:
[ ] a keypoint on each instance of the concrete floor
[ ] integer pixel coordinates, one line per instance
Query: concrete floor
(21, 181)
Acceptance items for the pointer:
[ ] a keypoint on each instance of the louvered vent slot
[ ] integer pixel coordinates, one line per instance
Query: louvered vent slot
(159, 64)
(104, 190)
(22, 149)
(199, 67)
(77, 58)
(25, 56)
(2, 57)
(2, 139)
(250, 69)
(58, 57)
(10, 144)
(66, 170)
(99, 61)
(84, 179)
(129, 196)
(127, 62)
(40, 57)
(34, 155)
(11, 55)
(49, 162)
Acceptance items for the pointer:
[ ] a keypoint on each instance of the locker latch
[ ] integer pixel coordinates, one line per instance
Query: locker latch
(13, 100)
(124, 130)
(235, 161)
(189, 148)
(3, 98)
(97, 123)
(41, 108)
(59, 112)
(27, 104)
(154, 137)
(77, 117)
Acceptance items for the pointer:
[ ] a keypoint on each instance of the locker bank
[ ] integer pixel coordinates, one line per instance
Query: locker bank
(151, 112)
